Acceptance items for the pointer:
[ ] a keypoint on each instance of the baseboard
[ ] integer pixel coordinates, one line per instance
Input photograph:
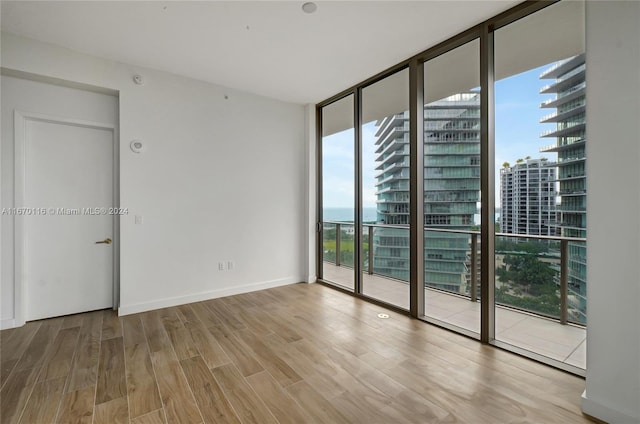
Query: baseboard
(606, 414)
(312, 279)
(198, 297)
(7, 323)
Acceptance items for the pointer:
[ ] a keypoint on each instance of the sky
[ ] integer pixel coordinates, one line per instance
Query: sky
(517, 129)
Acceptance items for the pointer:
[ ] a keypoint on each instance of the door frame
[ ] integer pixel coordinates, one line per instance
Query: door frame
(20, 121)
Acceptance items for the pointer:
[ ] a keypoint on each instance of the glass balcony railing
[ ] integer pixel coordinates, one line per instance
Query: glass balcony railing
(562, 95)
(554, 67)
(534, 274)
(338, 243)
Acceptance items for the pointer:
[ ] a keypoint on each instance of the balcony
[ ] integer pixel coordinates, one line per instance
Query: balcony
(561, 67)
(395, 123)
(386, 168)
(393, 188)
(563, 146)
(565, 97)
(563, 116)
(576, 192)
(565, 81)
(571, 160)
(554, 330)
(564, 343)
(398, 143)
(392, 157)
(565, 129)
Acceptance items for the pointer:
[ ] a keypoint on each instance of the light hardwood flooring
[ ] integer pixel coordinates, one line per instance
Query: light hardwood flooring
(294, 354)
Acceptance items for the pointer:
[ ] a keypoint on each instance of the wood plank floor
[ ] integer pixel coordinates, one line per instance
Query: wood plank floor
(295, 354)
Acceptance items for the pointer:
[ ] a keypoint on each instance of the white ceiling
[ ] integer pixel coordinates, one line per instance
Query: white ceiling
(263, 47)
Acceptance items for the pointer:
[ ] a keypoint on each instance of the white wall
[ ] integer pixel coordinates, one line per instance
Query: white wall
(613, 174)
(222, 179)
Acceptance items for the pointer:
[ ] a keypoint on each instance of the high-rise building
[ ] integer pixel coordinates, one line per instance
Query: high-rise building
(570, 139)
(528, 198)
(392, 191)
(451, 184)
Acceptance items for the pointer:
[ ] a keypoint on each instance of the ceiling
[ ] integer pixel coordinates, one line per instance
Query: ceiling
(268, 48)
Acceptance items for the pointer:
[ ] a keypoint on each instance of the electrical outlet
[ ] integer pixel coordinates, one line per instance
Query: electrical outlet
(230, 265)
(138, 219)
(220, 266)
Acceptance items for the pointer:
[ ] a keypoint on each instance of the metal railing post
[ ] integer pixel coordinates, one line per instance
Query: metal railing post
(338, 230)
(371, 229)
(564, 278)
(474, 267)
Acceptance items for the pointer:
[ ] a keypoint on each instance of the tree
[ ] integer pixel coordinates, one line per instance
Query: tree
(504, 244)
(506, 164)
(546, 304)
(527, 271)
(329, 233)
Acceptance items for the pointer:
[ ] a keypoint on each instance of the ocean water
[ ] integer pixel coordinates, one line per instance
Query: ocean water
(347, 214)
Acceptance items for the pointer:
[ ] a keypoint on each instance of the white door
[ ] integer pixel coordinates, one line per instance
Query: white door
(68, 225)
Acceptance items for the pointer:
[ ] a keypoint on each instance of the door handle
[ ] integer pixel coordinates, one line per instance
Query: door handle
(105, 241)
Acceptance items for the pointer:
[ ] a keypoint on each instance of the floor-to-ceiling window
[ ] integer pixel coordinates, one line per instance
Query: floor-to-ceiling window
(452, 186)
(385, 189)
(338, 192)
(501, 220)
(540, 257)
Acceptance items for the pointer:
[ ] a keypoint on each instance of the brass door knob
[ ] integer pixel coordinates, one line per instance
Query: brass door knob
(105, 241)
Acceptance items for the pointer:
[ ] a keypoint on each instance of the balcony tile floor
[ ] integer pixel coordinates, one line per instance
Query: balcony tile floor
(564, 343)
